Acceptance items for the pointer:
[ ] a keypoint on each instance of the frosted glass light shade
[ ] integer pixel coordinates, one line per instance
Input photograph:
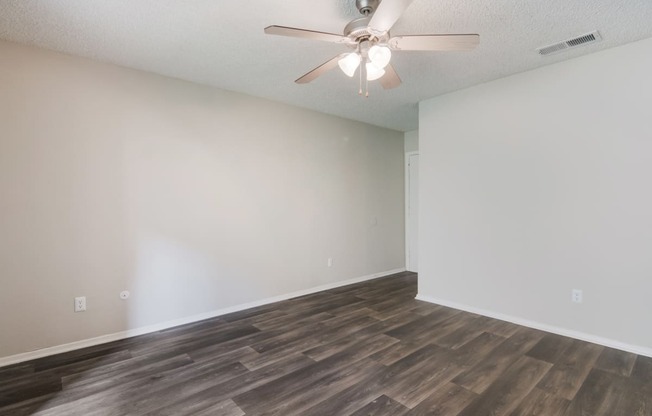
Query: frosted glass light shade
(349, 63)
(373, 72)
(380, 55)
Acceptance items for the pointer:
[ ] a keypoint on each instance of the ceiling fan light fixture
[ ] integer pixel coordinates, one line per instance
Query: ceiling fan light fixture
(370, 37)
(374, 72)
(380, 55)
(349, 63)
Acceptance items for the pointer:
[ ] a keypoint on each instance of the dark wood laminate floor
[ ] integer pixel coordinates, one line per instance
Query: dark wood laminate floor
(362, 350)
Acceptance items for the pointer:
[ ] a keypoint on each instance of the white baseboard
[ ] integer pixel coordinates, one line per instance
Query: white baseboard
(44, 352)
(543, 327)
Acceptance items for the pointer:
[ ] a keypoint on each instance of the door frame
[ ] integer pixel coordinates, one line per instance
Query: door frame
(407, 206)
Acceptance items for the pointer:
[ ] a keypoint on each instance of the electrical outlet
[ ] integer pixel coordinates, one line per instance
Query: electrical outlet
(577, 296)
(80, 304)
(330, 262)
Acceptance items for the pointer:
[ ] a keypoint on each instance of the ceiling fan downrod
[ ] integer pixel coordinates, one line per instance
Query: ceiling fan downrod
(366, 7)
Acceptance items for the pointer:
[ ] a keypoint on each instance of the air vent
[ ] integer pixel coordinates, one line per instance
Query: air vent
(570, 43)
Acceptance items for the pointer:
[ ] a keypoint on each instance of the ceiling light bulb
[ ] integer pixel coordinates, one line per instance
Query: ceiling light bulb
(380, 55)
(373, 72)
(349, 63)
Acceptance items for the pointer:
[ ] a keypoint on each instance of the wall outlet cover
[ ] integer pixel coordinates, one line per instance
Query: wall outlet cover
(80, 304)
(577, 296)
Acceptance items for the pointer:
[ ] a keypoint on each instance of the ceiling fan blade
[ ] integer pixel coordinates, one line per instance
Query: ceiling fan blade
(390, 79)
(321, 69)
(387, 14)
(306, 34)
(434, 42)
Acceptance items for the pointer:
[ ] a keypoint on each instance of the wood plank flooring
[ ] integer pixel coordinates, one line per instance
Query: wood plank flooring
(361, 350)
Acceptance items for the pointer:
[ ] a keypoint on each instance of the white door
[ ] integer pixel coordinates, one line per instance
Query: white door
(412, 226)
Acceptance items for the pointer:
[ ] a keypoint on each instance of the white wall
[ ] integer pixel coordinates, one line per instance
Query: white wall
(194, 199)
(411, 141)
(540, 183)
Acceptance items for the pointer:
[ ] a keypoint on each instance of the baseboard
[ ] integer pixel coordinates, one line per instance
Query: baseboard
(636, 349)
(44, 352)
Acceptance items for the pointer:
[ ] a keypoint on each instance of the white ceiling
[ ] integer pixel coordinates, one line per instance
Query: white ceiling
(221, 43)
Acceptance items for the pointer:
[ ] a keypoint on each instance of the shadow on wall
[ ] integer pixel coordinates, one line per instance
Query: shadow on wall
(174, 280)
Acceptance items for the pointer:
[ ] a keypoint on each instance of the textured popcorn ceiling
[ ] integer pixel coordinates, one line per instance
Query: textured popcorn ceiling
(221, 43)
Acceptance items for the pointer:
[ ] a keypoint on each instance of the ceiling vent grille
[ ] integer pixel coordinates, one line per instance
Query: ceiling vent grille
(570, 43)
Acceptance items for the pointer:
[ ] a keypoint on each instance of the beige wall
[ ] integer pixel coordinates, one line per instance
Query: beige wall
(538, 184)
(194, 199)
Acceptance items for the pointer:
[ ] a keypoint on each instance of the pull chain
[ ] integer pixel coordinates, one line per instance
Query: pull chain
(366, 87)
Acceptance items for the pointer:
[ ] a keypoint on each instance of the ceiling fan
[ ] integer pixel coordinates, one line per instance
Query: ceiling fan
(372, 43)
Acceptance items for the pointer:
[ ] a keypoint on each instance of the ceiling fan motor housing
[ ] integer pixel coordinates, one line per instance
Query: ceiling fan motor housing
(358, 30)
